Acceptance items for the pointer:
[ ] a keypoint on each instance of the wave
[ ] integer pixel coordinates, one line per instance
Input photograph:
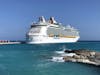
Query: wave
(62, 50)
(57, 59)
(59, 52)
(62, 53)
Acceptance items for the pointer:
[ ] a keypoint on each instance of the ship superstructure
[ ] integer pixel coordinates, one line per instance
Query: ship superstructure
(51, 32)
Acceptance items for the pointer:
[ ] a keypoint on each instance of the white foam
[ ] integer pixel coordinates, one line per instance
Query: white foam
(68, 54)
(59, 52)
(57, 59)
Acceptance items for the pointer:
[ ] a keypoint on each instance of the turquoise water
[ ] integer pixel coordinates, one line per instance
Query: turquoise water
(24, 59)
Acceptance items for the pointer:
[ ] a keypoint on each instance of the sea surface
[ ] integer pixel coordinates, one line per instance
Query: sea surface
(28, 59)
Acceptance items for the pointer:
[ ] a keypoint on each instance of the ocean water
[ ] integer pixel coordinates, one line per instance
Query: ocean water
(27, 59)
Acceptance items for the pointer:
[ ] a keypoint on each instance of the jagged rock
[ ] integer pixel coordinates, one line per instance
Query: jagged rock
(84, 56)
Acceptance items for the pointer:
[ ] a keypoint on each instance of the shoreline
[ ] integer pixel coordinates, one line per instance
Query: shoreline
(2, 43)
(81, 56)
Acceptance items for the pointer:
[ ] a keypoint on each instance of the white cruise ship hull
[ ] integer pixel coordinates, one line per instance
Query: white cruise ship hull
(41, 40)
(51, 32)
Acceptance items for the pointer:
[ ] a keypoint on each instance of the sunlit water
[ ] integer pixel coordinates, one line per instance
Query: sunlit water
(24, 59)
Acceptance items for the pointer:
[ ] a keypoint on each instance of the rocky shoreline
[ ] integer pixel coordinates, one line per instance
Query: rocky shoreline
(82, 56)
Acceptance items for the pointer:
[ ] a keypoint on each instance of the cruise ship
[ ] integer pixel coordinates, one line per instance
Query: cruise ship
(51, 31)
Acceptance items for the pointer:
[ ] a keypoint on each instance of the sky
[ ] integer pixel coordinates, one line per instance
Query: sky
(16, 16)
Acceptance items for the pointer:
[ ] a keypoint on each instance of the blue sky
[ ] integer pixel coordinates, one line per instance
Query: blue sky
(17, 15)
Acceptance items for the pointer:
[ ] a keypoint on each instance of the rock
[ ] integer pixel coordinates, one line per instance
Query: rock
(83, 56)
(97, 55)
(69, 51)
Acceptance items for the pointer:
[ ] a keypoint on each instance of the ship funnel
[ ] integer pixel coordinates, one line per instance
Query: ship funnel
(41, 19)
(52, 20)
